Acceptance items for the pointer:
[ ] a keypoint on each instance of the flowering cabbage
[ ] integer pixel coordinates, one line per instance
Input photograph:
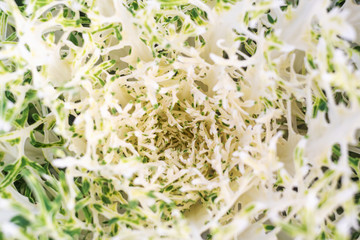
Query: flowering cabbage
(179, 119)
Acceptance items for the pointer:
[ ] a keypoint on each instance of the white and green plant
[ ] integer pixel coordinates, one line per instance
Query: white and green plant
(179, 119)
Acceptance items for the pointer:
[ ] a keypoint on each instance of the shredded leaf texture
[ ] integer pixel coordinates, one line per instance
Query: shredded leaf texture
(179, 119)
